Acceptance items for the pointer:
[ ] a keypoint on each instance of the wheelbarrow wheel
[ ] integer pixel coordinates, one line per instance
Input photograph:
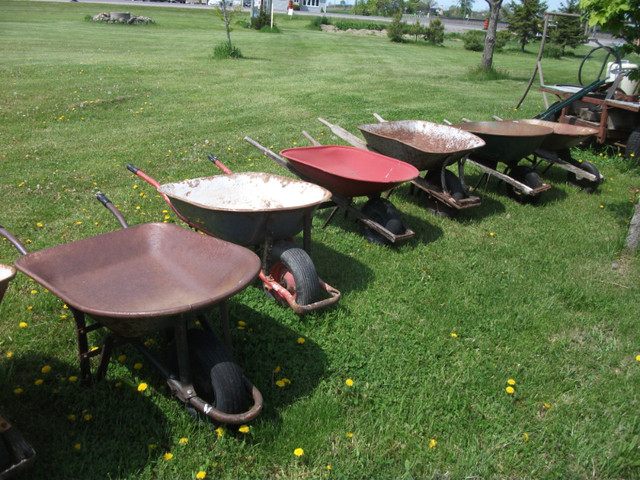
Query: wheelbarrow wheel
(452, 182)
(632, 149)
(382, 211)
(217, 378)
(588, 186)
(529, 177)
(293, 268)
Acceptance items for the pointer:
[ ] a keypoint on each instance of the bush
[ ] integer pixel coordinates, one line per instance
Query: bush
(357, 25)
(502, 38)
(552, 51)
(270, 29)
(396, 29)
(434, 33)
(317, 22)
(260, 21)
(226, 50)
(474, 40)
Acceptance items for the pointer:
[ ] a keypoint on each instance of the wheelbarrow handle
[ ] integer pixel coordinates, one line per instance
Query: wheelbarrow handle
(112, 208)
(13, 240)
(219, 164)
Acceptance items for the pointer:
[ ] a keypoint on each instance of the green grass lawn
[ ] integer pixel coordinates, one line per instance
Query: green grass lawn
(429, 332)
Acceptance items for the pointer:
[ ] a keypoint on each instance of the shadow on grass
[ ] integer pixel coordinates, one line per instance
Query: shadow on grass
(283, 364)
(99, 431)
(341, 271)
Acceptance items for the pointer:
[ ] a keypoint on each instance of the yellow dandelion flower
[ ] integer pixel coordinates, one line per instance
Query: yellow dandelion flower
(526, 437)
(511, 381)
(547, 406)
(39, 224)
(142, 387)
(122, 358)
(349, 435)
(10, 354)
(137, 366)
(152, 446)
(298, 452)
(22, 324)
(432, 443)
(73, 378)
(18, 391)
(87, 417)
(280, 383)
(637, 356)
(78, 446)
(183, 441)
(510, 390)
(220, 431)
(167, 456)
(201, 474)
(33, 292)
(71, 417)
(118, 384)
(301, 340)
(328, 467)
(454, 335)
(38, 382)
(491, 234)
(277, 369)
(349, 382)
(244, 429)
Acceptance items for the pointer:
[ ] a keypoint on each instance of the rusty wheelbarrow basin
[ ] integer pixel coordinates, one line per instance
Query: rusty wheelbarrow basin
(506, 141)
(349, 171)
(564, 135)
(243, 207)
(425, 145)
(137, 280)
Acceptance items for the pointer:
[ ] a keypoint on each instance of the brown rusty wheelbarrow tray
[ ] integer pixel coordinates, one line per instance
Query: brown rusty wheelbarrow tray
(263, 211)
(148, 278)
(15, 453)
(429, 147)
(555, 151)
(350, 172)
(508, 142)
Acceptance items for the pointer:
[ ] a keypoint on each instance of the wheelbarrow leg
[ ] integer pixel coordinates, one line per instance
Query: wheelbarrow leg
(107, 348)
(182, 350)
(83, 346)
(224, 319)
(330, 217)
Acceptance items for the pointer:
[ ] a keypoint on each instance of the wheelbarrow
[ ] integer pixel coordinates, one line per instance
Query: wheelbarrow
(148, 278)
(555, 150)
(350, 172)
(15, 452)
(508, 142)
(429, 147)
(259, 210)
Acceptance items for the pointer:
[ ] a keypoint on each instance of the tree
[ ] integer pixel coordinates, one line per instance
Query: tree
(622, 17)
(490, 39)
(466, 7)
(568, 31)
(434, 33)
(525, 20)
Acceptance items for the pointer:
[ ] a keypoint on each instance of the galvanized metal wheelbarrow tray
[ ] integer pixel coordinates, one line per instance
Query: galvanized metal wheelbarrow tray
(260, 210)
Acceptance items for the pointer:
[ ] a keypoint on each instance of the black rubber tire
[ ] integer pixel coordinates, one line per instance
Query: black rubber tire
(633, 145)
(453, 183)
(587, 185)
(292, 268)
(529, 177)
(6, 459)
(382, 211)
(215, 375)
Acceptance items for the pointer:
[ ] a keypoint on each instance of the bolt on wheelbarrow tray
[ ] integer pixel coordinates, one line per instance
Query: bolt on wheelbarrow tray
(143, 279)
(260, 210)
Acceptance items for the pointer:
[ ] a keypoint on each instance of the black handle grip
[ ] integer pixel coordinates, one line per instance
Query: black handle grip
(132, 168)
(213, 158)
(103, 198)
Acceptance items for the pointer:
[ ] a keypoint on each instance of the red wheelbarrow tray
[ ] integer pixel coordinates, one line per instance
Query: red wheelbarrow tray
(138, 279)
(349, 171)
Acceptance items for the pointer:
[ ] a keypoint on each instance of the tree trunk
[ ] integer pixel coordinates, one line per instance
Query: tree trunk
(490, 40)
(633, 238)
